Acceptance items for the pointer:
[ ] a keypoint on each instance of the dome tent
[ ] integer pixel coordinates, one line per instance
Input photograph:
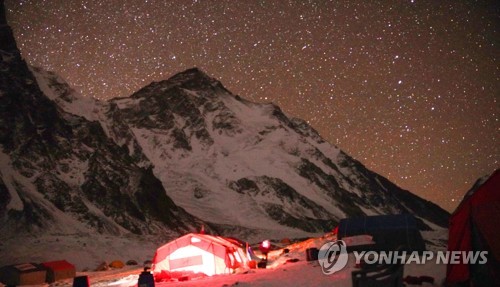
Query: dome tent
(473, 227)
(200, 253)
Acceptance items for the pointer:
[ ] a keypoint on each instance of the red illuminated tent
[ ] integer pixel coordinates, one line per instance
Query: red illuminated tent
(474, 227)
(200, 253)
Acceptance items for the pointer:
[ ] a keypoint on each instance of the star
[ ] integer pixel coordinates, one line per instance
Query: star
(409, 88)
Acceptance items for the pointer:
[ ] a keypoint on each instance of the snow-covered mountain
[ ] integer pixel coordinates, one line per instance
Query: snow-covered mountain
(240, 166)
(175, 155)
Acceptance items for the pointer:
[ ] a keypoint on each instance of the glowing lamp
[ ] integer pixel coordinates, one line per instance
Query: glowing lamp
(266, 244)
(264, 247)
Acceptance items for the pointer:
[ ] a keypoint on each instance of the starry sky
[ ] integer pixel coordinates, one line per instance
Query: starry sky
(409, 88)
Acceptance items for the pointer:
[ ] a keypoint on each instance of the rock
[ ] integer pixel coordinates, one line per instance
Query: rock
(286, 241)
(131, 262)
(102, 267)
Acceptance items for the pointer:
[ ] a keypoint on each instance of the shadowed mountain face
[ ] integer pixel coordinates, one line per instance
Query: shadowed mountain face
(61, 172)
(175, 151)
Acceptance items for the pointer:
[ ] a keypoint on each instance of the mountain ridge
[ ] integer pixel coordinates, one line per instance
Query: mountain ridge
(185, 100)
(56, 167)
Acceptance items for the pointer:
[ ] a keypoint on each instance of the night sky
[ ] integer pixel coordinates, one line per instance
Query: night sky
(409, 88)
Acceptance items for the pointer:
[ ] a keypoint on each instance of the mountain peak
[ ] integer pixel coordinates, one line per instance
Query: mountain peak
(192, 77)
(193, 71)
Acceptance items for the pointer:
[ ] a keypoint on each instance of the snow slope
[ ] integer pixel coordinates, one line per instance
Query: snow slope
(280, 272)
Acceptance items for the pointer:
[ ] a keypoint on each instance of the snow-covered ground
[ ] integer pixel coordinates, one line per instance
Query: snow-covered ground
(85, 251)
(301, 273)
(280, 271)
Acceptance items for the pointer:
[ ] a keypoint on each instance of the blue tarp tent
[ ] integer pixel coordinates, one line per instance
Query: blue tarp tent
(390, 232)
